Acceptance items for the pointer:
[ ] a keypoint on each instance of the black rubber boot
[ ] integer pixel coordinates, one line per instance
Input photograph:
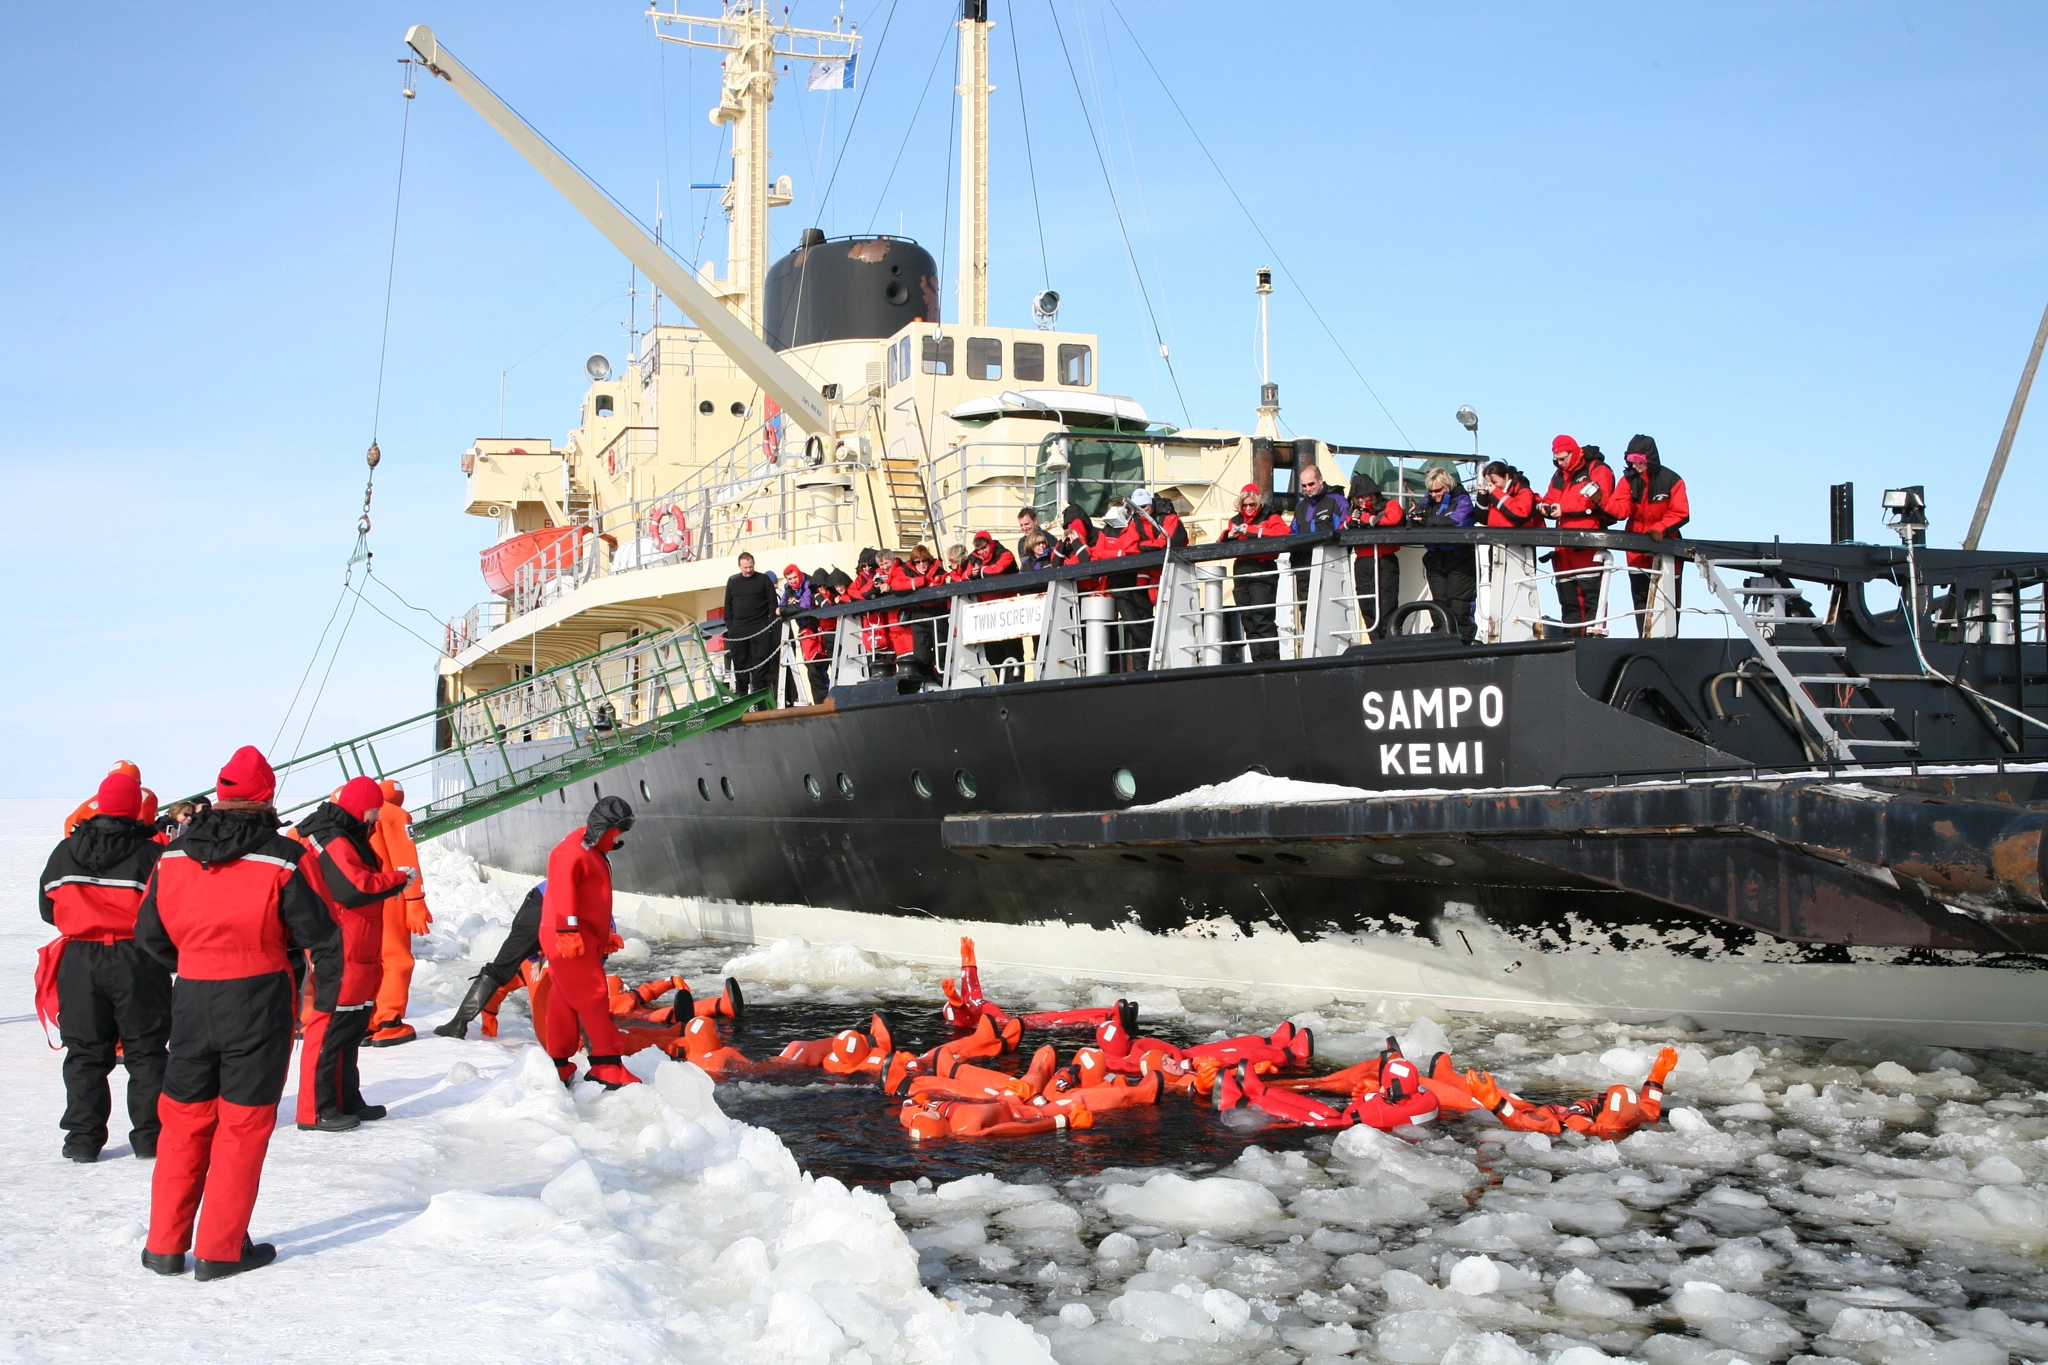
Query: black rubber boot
(84, 1156)
(167, 1263)
(331, 1123)
(480, 992)
(684, 1006)
(144, 1147)
(735, 999)
(255, 1256)
(370, 1113)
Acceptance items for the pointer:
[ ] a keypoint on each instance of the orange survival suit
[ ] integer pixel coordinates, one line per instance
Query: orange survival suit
(405, 917)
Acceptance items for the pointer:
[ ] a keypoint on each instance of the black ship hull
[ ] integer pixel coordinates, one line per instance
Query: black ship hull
(1010, 808)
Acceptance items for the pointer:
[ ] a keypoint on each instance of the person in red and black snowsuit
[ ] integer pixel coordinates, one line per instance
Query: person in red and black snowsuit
(340, 864)
(1506, 498)
(800, 596)
(1255, 578)
(1582, 496)
(227, 907)
(1375, 569)
(1005, 658)
(575, 934)
(1658, 508)
(108, 990)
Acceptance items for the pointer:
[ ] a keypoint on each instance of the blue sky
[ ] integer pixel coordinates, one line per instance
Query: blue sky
(1797, 243)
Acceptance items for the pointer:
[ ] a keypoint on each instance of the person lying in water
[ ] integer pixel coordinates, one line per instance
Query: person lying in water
(1400, 1099)
(1006, 1117)
(1612, 1115)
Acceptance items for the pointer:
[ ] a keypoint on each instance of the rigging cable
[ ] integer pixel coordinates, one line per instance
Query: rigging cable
(1145, 294)
(909, 129)
(1024, 122)
(854, 120)
(1304, 294)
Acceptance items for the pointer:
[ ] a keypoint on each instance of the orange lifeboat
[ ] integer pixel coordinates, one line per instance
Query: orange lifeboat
(553, 547)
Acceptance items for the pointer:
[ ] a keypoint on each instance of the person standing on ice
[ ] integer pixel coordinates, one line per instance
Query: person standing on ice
(108, 991)
(406, 917)
(575, 934)
(342, 866)
(226, 907)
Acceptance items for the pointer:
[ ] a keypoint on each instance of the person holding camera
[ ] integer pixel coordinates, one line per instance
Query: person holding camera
(1452, 570)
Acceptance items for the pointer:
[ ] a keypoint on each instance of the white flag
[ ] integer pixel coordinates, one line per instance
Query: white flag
(833, 74)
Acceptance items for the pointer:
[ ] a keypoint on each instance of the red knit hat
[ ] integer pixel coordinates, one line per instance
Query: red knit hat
(246, 777)
(360, 797)
(1560, 445)
(792, 571)
(120, 794)
(1250, 488)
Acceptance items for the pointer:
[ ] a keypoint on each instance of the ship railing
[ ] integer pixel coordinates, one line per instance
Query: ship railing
(983, 484)
(480, 620)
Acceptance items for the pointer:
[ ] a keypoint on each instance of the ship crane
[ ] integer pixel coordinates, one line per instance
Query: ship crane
(797, 397)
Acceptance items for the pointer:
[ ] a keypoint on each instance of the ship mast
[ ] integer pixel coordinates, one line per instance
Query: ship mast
(746, 32)
(974, 91)
(1269, 392)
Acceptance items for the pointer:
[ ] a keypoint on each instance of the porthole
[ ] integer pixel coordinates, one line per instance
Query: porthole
(1389, 859)
(1171, 858)
(1439, 859)
(739, 409)
(1250, 858)
(707, 407)
(1132, 857)
(1294, 858)
(703, 789)
(846, 786)
(811, 785)
(645, 794)
(963, 782)
(920, 784)
(1123, 784)
(725, 785)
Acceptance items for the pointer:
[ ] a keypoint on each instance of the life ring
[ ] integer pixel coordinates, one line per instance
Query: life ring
(669, 542)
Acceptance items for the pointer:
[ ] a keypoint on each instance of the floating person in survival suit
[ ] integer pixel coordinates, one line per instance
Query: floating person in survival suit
(1439, 1076)
(966, 1005)
(848, 1052)
(1088, 1083)
(1613, 1115)
(965, 1081)
(985, 1041)
(1400, 1101)
(1007, 1117)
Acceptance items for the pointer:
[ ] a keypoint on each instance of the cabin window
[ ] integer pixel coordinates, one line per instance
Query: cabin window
(604, 405)
(1029, 359)
(938, 355)
(892, 367)
(984, 358)
(901, 368)
(1076, 365)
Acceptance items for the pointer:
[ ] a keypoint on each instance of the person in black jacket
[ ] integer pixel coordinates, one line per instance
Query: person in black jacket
(522, 941)
(108, 990)
(227, 906)
(752, 629)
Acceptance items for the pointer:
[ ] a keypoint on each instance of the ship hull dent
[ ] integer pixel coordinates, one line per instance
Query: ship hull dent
(844, 817)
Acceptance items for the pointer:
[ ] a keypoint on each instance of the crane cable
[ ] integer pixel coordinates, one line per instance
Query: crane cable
(362, 553)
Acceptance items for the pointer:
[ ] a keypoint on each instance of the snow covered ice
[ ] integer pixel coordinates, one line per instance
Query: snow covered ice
(1876, 1201)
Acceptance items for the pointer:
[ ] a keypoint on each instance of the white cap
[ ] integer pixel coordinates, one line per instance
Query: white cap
(1141, 497)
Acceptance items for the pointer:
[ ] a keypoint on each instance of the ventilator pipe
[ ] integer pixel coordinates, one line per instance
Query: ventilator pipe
(1814, 753)
(1210, 577)
(1910, 609)
(1097, 611)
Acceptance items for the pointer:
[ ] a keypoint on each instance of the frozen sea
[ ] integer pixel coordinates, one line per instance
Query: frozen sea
(1874, 1201)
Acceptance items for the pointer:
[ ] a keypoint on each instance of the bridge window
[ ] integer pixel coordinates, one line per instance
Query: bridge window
(938, 355)
(1029, 359)
(604, 405)
(1076, 364)
(984, 358)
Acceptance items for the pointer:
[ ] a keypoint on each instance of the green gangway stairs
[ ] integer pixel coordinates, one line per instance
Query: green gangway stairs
(481, 754)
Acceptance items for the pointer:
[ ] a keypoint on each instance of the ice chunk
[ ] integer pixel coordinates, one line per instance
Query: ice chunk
(1998, 1170)
(1687, 1120)
(1423, 1038)
(797, 961)
(1118, 1246)
(1162, 1314)
(1892, 1075)
(1501, 1232)
(1578, 1295)
(1154, 1002)
(1227, 1310)
(1626, 1063)
(1741, 1264)
(456, 1218)
(1418, 1338)
(1487, 1348)
(987, 1194)
(575, 1194)
(1475, 1275)
(1217, 1204)
(1077, 1316)
(1755, 1328)
(1383, 1202)
(1328, 1339)
(961, 1235)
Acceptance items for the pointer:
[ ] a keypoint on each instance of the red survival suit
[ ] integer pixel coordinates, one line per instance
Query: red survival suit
(575, 934)
(101, 989)
(340, 864)
(1401, 1099)
(1613, 1115)
(227, 907)
(405, 917)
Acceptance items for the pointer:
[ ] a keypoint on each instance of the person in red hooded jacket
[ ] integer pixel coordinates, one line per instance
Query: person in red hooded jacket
(1659, 509)
(341, 864)
(90, 807)
(109, 992)
(575, 934)
(227, 907)
(1582, 496)
(1255, 579)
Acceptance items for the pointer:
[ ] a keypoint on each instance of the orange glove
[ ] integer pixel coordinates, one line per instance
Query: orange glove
(967, 952)
(1483, 1089)
(417, 917)
(614, 943)
(1205, 1074)
(1667, 1061)
(1019, 1087)
(1079, 1117)
(568, 945)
